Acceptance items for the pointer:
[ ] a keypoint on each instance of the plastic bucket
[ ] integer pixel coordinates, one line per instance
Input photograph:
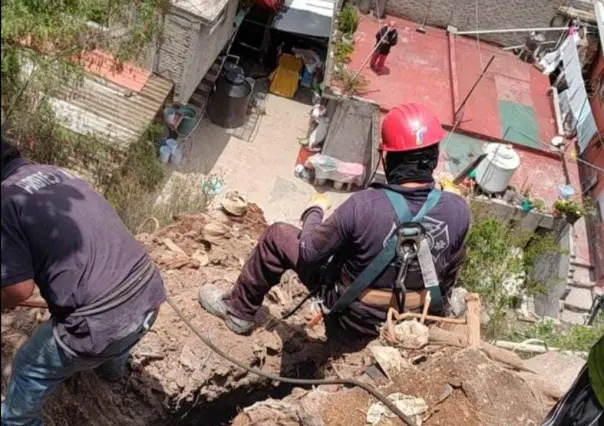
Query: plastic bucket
(189, 117)
(171, 143)
(169, 115)
(176, 155)
(164, 154)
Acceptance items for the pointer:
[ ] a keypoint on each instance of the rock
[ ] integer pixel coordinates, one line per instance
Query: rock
(390, 360)
(201, 257)
(410, 406)
(411, 334)
(457, 301)
(559, 369)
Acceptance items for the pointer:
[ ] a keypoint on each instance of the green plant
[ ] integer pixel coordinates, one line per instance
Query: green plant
(348, 19)
(573, 338)
(350, 84)
(573, 208)
(499, 265)
(343, 53)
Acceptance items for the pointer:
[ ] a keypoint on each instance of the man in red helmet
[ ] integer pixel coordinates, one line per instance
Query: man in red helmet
(385, 39)
(354, 237)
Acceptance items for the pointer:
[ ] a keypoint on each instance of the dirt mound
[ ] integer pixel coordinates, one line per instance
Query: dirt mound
(460, 387)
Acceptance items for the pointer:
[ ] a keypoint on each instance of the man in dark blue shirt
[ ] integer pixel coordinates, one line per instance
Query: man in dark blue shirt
(357, 232)
(100, 286)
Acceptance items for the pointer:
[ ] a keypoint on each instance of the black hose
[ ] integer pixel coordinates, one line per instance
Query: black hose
(302, 382)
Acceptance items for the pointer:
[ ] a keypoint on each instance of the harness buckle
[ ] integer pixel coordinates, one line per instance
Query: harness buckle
(409, 238)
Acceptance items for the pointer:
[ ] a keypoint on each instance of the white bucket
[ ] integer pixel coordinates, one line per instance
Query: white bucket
(164, 154)
(176, 155)
(171, 143)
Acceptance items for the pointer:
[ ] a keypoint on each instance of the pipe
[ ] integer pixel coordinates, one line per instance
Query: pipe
(302, 382)
(510, 30)
(557, 111)
(522, 45)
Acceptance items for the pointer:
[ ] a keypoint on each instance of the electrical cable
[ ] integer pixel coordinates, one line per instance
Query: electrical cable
(302, 382)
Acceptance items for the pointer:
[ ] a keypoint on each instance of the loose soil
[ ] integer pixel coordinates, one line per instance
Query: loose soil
(174, 379)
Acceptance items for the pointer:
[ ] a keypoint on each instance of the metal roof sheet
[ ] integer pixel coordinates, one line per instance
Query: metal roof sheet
(115, 114)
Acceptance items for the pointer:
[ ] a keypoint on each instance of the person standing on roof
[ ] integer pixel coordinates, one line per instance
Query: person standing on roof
(98, 282)
(385, 39)
(356, 234)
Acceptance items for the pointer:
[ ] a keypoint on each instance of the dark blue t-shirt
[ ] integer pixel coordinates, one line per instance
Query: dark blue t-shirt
(58, 231)
(358, 230)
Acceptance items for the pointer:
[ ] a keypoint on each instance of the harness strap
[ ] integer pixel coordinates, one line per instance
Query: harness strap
(388, 253)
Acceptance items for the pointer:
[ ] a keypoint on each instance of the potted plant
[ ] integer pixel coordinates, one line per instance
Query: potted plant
(572, 210)
(348, 22)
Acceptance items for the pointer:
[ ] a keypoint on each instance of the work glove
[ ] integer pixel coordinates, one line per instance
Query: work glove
(321, 201)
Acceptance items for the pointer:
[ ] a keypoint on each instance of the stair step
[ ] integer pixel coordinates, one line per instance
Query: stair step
(581, 284)
(572, 317)
(578, 300)
(205, 87)
(581, 273)
(199, 100)
(211, 77)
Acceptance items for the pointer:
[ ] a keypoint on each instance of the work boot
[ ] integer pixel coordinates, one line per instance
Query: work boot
(213, 300)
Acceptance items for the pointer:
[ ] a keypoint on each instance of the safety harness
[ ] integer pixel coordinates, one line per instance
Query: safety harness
(406, 244)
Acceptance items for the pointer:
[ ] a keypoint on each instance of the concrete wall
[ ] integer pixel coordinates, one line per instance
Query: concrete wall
(188, 48)
(204, 48)
(492, 14)
(594, 154)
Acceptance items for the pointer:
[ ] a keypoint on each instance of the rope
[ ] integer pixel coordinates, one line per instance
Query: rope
(140, 228)
(302, 382)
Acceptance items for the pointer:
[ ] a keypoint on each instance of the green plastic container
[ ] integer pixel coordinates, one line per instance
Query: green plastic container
(188, 121)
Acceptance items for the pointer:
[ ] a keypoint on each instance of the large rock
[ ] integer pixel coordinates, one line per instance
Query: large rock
(558, 369)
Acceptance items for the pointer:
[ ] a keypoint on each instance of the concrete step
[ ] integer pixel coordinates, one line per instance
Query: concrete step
(580, 284)
(581, 273)
(578, 300)
(205, 87)
(572, 317)
(200, 100)
(211, 77)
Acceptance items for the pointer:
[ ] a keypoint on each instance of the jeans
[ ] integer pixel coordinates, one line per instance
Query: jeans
(40, 366)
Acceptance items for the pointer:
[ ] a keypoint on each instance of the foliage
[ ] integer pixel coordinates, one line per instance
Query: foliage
(348, 19)
(573, 208)
(44, 50)
(352, 85)
(343, 52)
(500, 265)
(575, 338)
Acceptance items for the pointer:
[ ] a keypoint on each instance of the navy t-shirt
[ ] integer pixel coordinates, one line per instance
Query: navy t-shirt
(58, 231)
(358, 230)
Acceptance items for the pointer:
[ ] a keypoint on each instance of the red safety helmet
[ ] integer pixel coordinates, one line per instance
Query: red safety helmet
(410, 127)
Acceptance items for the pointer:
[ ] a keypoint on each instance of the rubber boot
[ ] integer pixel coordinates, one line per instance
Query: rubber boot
(213, 300)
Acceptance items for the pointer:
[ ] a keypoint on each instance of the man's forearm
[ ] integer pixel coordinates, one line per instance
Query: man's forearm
(311, 218)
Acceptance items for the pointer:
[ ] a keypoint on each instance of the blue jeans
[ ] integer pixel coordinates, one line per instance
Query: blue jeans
(39, 368)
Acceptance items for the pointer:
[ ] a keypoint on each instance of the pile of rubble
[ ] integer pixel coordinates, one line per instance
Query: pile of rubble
(175, 379)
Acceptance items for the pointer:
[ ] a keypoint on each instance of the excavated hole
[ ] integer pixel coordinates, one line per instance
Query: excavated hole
(222, 410)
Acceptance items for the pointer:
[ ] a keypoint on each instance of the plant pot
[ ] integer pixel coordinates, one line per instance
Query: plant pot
(347, 39)
(571, 218)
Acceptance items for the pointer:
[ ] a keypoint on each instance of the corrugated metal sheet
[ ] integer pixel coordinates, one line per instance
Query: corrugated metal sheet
(577, 95)
(110, 112)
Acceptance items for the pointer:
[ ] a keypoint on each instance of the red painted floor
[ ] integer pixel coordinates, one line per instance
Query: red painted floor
(439, 70)
(416, 68)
